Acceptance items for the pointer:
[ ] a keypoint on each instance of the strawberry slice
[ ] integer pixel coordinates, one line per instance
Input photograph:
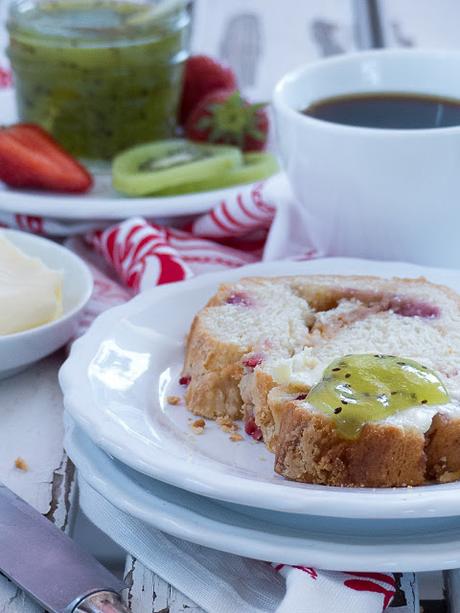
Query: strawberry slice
(31, 158)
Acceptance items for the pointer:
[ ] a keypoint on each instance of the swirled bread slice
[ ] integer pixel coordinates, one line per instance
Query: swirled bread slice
(259, 345)
(240, 325)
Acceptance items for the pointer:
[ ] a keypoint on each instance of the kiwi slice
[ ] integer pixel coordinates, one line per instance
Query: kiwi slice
(256, 166)
(147, 169)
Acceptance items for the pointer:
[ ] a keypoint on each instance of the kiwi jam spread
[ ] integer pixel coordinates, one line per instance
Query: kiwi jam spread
(357, 389)
(100, 75)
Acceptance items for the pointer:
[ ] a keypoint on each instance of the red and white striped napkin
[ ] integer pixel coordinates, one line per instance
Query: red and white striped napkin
(311, 590)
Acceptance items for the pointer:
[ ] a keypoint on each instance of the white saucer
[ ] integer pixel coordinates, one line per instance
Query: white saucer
(402, 545)
(23, 348)
(102, 202)
(119, 375)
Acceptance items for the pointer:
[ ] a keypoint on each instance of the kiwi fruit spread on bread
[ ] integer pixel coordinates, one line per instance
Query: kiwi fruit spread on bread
(357, 389)
(348, 380)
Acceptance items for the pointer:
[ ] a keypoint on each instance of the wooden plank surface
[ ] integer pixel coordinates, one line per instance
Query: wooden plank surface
(32, 429)
(31, 417)
(148, 593)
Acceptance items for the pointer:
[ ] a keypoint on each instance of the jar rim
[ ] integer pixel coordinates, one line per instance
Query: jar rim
(79, 21)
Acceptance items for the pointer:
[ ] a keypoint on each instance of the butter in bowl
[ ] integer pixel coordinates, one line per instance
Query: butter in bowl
(44, 288)
(30, 292)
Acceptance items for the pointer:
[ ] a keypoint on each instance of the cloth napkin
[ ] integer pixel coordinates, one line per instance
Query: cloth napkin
(224, 583)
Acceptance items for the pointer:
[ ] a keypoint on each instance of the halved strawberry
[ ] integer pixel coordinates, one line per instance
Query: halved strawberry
(31, 158)
(202, 75)
(225, 117)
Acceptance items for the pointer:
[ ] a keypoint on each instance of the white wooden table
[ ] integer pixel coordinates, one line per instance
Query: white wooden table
(31, 402)
(31, 429)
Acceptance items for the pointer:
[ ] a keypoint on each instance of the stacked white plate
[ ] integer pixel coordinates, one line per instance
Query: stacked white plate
(140, 453)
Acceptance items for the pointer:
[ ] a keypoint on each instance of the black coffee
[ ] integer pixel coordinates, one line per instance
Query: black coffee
(388, 111)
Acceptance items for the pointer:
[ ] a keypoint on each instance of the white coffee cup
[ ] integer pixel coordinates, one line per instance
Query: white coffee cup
(377, 193)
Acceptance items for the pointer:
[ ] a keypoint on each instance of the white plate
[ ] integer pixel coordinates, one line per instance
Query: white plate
(119, 374)
(102, 203)
(401, 545)
(23, 348)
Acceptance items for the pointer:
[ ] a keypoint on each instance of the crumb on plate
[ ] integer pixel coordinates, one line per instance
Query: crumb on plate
(226, 424)
(449, 476)
(236, 437)
(198, 426)
(173, 400)
(21, 464)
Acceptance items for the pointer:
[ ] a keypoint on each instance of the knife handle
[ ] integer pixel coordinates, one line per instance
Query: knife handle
(101, 602)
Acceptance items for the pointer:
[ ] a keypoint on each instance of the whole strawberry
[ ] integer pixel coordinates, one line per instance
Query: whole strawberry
(224, 116)
(202, 75)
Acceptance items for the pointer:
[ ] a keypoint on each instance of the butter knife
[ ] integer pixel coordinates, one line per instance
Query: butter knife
(49, 566)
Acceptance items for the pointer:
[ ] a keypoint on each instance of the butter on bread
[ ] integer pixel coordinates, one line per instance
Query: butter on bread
(259, 345)
(30, 292)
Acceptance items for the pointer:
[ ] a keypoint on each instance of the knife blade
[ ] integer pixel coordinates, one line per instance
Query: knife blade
(48, 565)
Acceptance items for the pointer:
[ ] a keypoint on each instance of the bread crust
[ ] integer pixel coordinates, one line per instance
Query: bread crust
(312, 451)
(215, 370)
(443, 449)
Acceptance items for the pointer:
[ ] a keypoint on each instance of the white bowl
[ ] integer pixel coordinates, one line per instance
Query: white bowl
(17, 351)
(374, 193)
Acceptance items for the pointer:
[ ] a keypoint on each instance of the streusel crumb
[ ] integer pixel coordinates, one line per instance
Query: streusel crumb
(21, 464)
(173, 399)
(227, 424)
(198, 426)
(448, 477)
(236, 437)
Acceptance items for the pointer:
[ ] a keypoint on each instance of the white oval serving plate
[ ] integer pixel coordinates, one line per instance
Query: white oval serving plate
(19, 350)
(102, 202)
(119, 375)
(401, 545)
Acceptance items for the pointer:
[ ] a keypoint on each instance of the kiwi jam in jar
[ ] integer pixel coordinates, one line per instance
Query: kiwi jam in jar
(100, 75)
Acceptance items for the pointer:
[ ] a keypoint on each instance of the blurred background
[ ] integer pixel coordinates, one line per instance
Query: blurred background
(262, 40)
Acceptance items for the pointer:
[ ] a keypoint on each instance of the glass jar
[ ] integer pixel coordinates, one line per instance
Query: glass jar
(100, 75)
